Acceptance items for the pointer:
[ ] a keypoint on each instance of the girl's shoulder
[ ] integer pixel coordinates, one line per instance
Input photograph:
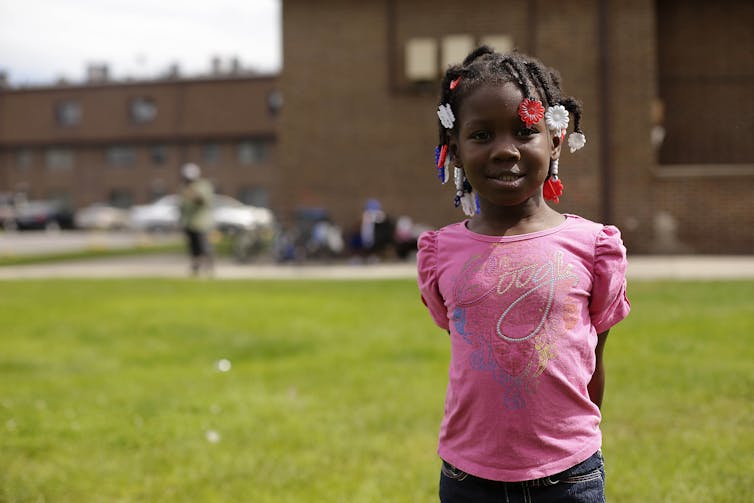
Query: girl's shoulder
(429, 239)
(598, 231)
(584, 224)
(449, 238)
(604, 241)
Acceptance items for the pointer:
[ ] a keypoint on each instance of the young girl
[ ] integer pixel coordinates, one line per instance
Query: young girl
(527, 294)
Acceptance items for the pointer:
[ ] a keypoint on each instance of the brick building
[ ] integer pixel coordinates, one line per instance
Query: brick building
(123, 142)
(666, 87)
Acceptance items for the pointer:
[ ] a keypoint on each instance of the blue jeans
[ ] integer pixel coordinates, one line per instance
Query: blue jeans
(583, 483)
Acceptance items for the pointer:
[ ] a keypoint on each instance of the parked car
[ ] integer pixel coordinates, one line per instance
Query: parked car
(43, 215)
(161, 215)
(230, 215)
(100, 216)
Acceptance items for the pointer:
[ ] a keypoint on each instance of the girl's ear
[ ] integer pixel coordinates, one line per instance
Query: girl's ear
(557, 142)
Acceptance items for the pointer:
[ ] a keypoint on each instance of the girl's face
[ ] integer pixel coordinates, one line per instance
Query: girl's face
(505, 162)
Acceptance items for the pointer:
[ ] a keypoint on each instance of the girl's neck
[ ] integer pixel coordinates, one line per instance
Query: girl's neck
(514, 220)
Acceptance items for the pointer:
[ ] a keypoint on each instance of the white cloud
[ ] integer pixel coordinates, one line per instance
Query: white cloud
(42, 40)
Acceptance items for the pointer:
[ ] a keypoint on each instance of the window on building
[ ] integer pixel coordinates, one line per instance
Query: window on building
(274, 102)
(421, 59)
(158, 154)
(455, 48)
(211, 153)
(253, 151)
(255, 196)
(706, 74)
(24, 159)
(121, 156)
(143, 110)
(59, 159)
(501, 43)
(68, 113)
(427, 58)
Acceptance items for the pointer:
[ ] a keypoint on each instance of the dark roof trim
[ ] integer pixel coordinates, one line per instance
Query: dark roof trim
(114, 84)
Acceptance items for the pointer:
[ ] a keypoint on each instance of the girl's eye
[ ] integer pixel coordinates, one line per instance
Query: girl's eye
(481, 135)
(526, 131)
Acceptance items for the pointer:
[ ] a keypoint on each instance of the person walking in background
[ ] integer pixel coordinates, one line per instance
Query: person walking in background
(370, 217)
(526, 293)
(196, 218)
(376, 230)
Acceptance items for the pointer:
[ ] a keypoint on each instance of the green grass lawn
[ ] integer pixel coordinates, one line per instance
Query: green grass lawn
(110, 392)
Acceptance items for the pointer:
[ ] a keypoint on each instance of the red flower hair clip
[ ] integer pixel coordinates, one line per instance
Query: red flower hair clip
(531, 111)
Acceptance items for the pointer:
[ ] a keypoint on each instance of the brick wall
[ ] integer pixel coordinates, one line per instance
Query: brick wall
(352, 129)
(190, 115)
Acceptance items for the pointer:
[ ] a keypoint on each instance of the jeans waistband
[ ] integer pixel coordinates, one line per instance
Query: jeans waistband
(594, 462)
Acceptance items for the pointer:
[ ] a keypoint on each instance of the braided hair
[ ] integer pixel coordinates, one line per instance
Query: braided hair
(484, 66)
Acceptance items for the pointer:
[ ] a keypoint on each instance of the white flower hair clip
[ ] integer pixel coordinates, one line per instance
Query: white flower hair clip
(446, 116)
(557, 118)
(576, 141)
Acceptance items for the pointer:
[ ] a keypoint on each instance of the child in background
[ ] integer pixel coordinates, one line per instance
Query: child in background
(527, 294)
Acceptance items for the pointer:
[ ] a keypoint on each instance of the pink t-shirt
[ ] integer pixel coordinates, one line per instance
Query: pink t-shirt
(523, 314)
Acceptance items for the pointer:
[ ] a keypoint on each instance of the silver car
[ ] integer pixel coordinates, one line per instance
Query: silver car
(159, 216)
(101, 216)
(229, 215)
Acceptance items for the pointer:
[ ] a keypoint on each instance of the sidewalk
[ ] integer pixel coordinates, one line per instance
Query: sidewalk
(176, 266)
(701, 267)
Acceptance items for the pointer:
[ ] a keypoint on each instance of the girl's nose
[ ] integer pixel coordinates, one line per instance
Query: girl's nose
(505, 149)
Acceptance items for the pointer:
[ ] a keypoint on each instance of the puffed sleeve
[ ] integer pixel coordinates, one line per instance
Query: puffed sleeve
(426, 264)
(609, 304)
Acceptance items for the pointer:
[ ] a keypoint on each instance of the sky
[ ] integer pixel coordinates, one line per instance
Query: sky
(42, 41)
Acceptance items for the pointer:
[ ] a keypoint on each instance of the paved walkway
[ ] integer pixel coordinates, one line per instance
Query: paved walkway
(175, 266)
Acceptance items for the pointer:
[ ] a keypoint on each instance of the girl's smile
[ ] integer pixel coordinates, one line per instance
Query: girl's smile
(508, 181)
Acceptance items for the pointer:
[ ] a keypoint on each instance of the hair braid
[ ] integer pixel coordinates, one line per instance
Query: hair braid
(573, 106)
(523, 79)
(537, 75)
